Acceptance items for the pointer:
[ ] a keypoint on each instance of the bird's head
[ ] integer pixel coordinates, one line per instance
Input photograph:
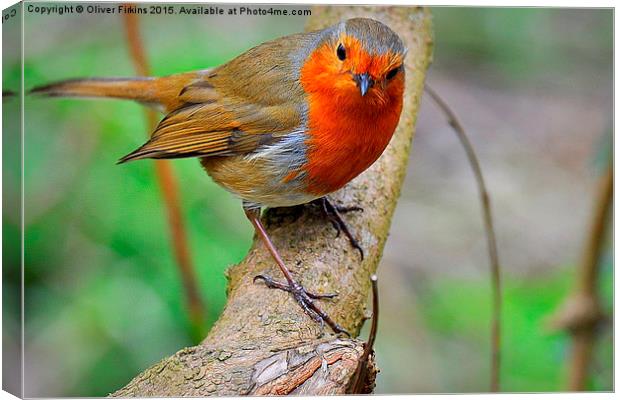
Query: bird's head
(360, 58)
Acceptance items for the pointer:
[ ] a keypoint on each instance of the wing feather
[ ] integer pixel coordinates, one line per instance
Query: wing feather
(233, 109)
(217, 130)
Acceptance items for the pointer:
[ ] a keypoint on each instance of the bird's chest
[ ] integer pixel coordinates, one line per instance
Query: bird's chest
(344, 141)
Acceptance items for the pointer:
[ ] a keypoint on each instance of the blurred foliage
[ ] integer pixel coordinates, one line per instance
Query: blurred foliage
(102, 294)
(532, 352)
(451, 320)
(524, 44)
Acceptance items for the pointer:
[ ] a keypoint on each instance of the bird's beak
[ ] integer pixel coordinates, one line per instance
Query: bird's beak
(364, 82)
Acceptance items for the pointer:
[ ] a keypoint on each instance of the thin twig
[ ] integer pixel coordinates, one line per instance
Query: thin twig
(594, 243)
(361, 373)
(491, 239)
(370, 344)
(584, 324)
(169, 188)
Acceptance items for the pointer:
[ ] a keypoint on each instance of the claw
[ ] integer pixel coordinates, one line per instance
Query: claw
(333, 214)
(356, 245)
(273, 284)
(304, 299)
(322, 296)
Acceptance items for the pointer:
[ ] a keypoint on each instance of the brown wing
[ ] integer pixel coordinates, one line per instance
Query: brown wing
(215, 129)
(253, 100)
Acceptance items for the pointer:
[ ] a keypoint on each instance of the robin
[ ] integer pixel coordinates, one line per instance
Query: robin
(285, 123)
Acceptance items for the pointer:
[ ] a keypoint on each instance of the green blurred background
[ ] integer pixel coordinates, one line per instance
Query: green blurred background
(103, 298)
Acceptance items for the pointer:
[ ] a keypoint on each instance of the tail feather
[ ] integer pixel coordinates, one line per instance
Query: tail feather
(139, 89)
(163, 93)
(159, 92)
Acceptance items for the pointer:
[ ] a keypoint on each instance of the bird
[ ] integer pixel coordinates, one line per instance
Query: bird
(285, 123)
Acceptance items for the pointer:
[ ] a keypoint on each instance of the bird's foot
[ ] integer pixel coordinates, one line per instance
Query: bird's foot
(305, 300)
(332, 212)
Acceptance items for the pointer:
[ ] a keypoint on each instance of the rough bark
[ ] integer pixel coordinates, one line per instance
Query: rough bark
(263, 343)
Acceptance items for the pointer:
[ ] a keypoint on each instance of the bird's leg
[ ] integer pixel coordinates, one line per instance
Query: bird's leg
(303, 297)
(332, 212)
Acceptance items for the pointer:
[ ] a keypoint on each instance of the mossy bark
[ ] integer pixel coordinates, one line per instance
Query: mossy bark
(263, 343)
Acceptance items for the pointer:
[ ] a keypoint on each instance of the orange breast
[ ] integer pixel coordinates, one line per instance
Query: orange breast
(346, 132)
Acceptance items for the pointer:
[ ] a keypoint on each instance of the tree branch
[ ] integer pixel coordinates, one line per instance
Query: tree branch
(263, 343)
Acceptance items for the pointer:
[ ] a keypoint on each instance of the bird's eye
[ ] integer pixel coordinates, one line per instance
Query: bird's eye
(392, 73)
(341, 52)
